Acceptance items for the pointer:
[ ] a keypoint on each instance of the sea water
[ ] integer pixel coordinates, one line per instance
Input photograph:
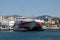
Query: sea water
(31, 35)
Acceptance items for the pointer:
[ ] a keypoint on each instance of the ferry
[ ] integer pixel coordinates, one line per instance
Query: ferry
(31, 25)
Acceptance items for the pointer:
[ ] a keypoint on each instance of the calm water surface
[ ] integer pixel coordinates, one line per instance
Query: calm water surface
(35, 35)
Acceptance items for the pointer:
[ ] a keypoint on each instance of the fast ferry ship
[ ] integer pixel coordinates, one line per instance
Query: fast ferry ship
(28, 25)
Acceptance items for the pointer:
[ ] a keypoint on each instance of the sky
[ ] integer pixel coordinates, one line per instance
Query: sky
(30, 7)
